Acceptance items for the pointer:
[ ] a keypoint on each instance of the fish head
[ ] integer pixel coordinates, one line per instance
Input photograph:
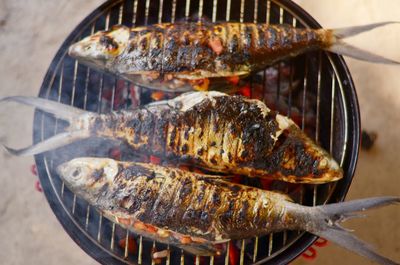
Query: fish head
(102, 47)
(329, 169)
(88, 175)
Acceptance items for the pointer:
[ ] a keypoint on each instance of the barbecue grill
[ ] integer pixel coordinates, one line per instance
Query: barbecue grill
(317, 87)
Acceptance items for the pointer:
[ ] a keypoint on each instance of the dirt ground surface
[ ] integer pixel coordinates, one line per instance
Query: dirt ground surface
(32, 31)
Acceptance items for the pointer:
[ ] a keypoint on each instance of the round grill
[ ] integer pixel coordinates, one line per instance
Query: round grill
(314, 89)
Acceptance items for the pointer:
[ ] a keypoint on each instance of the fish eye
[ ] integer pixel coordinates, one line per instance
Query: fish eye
(76, 172)
(108, 42)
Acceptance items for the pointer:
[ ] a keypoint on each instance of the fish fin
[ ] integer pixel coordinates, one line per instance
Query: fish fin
(340, 47)
(139, 78)
(346, 32)
(211, 178)
(221, 241)
(157, 103)
(343, 48)
(202, 74)
(326, 221)
(59, 110)
(49, 144)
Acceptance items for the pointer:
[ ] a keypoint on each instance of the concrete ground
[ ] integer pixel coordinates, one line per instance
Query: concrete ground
(32, 31)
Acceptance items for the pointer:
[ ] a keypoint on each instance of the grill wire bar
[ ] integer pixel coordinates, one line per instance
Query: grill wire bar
(107, 242)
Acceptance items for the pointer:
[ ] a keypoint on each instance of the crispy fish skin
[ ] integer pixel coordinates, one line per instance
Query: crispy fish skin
(189, 207)
(221, 133)
(212, 130)
(198, 50)
(191, 51)
(195, 211)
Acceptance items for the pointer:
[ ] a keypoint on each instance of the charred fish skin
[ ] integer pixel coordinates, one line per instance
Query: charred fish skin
(200, 50)
(222, 133)
(190, 51)
(195, 211)
(211, 130)
(180, 207)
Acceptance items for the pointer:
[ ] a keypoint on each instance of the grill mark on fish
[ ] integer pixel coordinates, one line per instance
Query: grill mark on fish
(138, 133)
(227, 142)
(160, 132)
(261, 40)
(210, 143)
(246, 42)
(189, 211)
(141, 197)
(203, 123)
(191, 139)
(170, 45)
(155, 50)
(184, 149)
(230, 134)
(148, 127)
(254, 37)
(208, 208)
(204, 221)
(141, 58)
(285, 38)
(170, 135)
(183, 135)
(177, 138)
(171, 214)
(207, 136)
(160, 208)
(182, 52)
(161, 63)
(170, 138)
(272, 37)
(194, 54)
(150, 197)
(233, 39)
(221, 145)
(206, 50)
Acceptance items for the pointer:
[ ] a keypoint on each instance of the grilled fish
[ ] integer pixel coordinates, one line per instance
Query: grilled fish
(195, 211)
(215, 131)
(173, 56)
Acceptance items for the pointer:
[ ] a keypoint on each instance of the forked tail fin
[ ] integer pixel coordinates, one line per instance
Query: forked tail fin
(339, 46)
(325, 223)
(59, 110)
(62, 111)
(49, 144)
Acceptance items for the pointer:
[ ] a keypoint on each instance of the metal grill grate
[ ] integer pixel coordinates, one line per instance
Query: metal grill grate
(318, 77)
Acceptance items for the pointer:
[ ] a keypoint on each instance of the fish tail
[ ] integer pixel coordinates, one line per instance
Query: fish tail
(326, 219)
(60, 111)
(49, 144)
(341, 47)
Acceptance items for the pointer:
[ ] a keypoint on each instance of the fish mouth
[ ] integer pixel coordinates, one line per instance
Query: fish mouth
(60, 169)
(77, 51)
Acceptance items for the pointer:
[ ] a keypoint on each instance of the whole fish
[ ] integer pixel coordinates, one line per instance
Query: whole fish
(181, 56)
(195, 211)
(215, 131)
